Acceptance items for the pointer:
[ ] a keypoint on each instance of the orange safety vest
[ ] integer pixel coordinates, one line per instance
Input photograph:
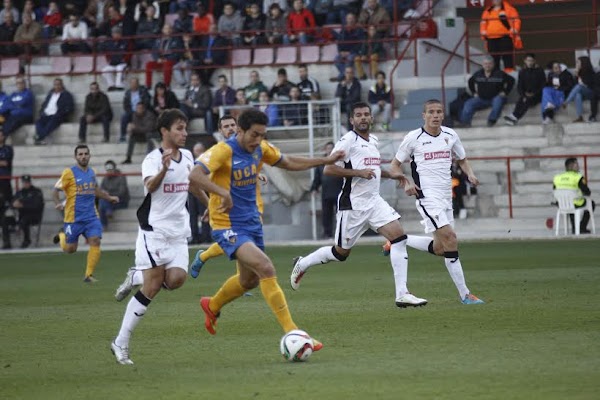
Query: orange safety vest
(492, 25)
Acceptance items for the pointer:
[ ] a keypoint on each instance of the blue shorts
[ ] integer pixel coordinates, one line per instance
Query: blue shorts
(232, 239)
(91, 228)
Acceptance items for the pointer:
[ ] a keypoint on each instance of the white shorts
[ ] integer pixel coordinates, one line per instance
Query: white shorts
(436, 213)
(153, 249)
(351, 224)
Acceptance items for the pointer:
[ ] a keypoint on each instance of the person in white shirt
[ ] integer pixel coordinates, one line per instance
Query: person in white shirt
(161, 254)
(55, 110)
(360, 206)
(430, 150)
(75, 34)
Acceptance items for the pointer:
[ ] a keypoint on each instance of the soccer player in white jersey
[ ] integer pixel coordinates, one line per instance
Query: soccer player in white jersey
(161, 254)
(430, 150)
(360, 206)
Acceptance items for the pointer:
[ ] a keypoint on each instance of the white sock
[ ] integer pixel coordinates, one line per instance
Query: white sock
(419, 242)
(399, 259)
(322, 255)
(136, 308)
(138, 278)
(456, 272)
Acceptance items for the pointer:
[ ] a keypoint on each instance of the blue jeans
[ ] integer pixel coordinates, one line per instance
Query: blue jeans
(477, 103)
(106, 210)
(552, 99)
(341, 62)
(579, 93)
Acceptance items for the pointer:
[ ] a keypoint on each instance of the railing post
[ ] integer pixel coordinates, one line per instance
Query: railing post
(467, 51)
(585, 167)
(508, 174)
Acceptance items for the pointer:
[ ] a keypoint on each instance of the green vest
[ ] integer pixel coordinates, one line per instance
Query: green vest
(570, 180)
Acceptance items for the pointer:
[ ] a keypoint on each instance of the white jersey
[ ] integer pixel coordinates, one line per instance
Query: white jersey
(359, 193)
(164, 211)
(431, 160)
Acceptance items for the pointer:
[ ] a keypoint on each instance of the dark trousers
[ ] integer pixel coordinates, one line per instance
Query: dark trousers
(46, 124)
(106, 210)
(133, 139)
(524, 103)
(105, 119)
(25, 222)
(14, 122)
(193, 113)
(125, 119)
(584, 220)
(77, 47)
(205, 73)
(196, 209)
(594, 105)
(328, 207)
(502, 49)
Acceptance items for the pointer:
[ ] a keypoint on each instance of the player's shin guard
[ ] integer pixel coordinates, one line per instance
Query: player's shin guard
(276, 300)
(93, 257)
(422, 243)
(136, 309)
(231, 290)
(456, 272)
(213, 251)
(399, 259)
(322, 255)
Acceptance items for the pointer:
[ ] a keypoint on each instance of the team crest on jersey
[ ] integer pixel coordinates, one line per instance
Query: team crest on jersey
(255, 156)
(230, 236)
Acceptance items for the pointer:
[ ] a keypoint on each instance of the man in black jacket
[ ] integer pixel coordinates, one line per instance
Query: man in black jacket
(29, 202)
(96, 109)
(532, 80)
(212, 56)
(198, 102)
(348, 91)
(489, 87)
(330, 188)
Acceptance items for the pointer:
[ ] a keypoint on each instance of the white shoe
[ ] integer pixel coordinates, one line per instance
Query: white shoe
(127, 285)
(121, 354)
(297, 274)
(409, 300)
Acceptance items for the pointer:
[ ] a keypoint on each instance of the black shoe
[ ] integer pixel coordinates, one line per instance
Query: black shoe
(6, 246)
(127, 161)
(111, 88)
(25, 244)
(584, 231)
(123, 140)
(56, 238)
(491, 123)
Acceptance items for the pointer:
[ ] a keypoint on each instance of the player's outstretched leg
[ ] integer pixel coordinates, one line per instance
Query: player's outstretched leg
(322, 255)
(211, 306)
(136, 309)
(202, 256)
(399, 261)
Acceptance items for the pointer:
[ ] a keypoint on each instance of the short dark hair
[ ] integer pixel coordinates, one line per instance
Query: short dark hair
(530, 55)
(301, 65)
(81, 146)
(111, 162)
(168, 117)
(222, 76)
(380, 73)
(429, 102)
(226, 117)
(252, 116)
(282, 71)
(570, 161)
(360, 104)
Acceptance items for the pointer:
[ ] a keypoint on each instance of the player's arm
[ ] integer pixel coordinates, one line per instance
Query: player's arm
(292, 163)
(341, 172)
(584, 187)
(56, 198)
(466, 167)
(152, 183)
(66, 179)
(199, 194)
(404, 181)
(102, 194)
(199, 180)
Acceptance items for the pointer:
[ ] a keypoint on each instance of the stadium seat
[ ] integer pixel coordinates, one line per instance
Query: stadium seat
(286, 55)
(565, 199)
(83, 64)
(263, 55)
(328, 52)
(9, 67)
(309, 54)
(100, 62)
(140, 60)
(61, 65)
(170, 18)
(241, 57)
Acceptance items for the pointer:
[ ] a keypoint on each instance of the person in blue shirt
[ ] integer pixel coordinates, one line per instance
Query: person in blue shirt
(17, 110)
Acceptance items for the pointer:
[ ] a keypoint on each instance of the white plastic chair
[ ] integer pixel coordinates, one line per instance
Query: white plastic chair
(566, 206)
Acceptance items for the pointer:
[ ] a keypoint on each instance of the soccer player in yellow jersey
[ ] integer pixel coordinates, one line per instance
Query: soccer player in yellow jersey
(80, 215)
(229, 172)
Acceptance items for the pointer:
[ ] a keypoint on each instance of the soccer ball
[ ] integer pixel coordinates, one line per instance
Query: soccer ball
(296, 345)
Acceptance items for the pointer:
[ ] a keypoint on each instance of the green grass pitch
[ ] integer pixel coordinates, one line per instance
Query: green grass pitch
(538, 336)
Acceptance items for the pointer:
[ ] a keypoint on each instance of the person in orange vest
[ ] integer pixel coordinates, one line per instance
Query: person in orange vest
(500, 26)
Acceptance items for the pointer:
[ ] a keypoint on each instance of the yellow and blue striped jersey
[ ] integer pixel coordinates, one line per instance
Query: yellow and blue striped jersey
(79, 187)
(236, 170)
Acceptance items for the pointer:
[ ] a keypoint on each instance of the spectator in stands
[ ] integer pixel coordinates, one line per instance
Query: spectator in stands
(584, 89)
(281, 88)
(490, 87)
(241, 102)
(167, 52)
(254, 88)
(320, 10)
(142, 128)
(75, 34)
(348, 91)
(29, 203)
(140, 10)
(572, 179)
(294, 114)
(8, 8)
(276, 24)
(532, 80)
(184, 23)
(163, 99)
(224, 96)
(115, 184)
(558, 85)
(254, 27)
(30, 9)
(28, 32)
(117, 58)
(52, 21)
(135, 94)
(197, 102)
(55, 110)
(377, 16)
(203, 20)
(17, 110)
(230, 24)
(371, 51)
(182, 71)
(96, 109)
(301, 24)
(127, 9)
(177, 5)
(349, 43)
(271, 110)
(212, 55)
(73, 6)
(425, 29)
(268, 4)
(500, 25)
(115, 19)
(197, 209)
(309, 87)
(148, 26)
(6, 159)
(340, 10)
(380, 99)
(96, 13)
(4, 103)
(330, 187)
(7, 35)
